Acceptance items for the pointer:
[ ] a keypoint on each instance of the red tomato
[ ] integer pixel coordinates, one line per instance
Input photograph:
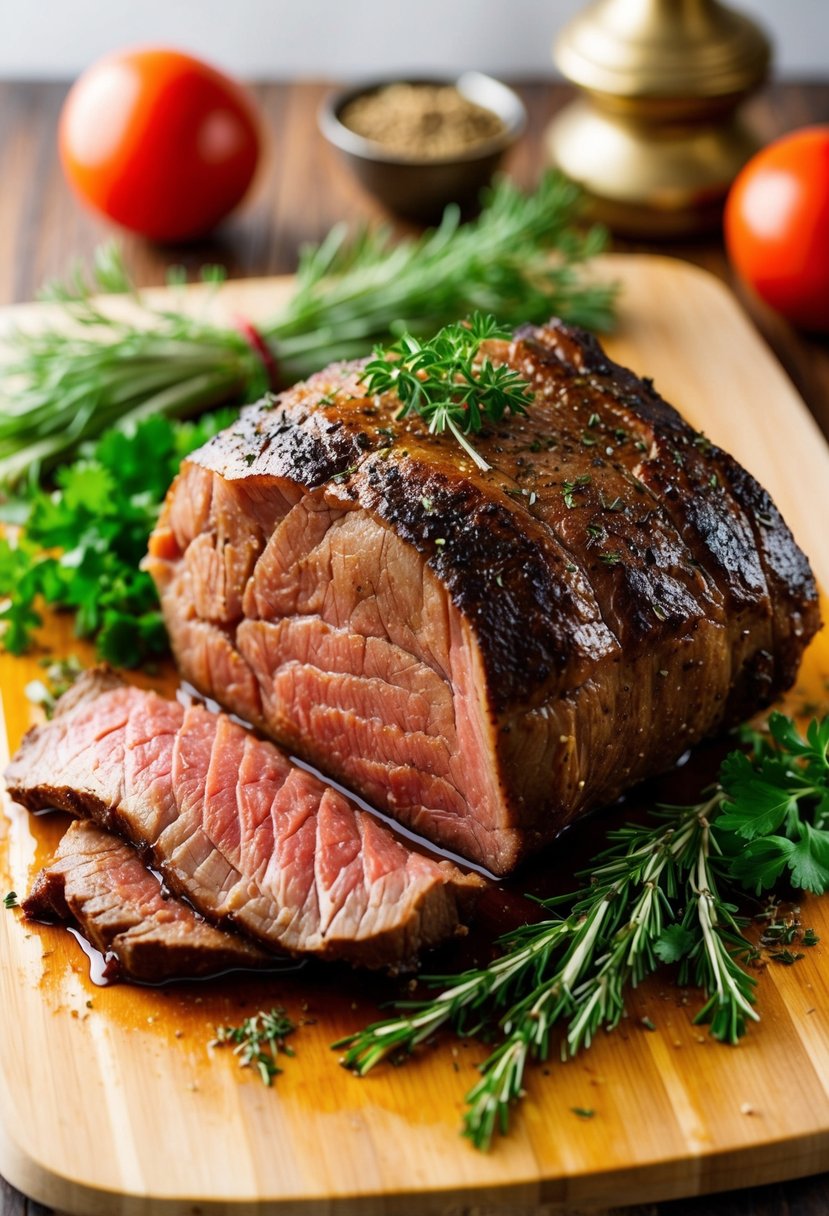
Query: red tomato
(777, 226)
(159, 142)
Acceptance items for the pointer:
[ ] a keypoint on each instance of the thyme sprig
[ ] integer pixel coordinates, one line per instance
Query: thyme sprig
(663, 892)
(448, 382)
(521, 259)
(258, 1041)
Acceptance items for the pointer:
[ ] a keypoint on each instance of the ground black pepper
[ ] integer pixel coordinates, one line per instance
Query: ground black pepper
(424, 121)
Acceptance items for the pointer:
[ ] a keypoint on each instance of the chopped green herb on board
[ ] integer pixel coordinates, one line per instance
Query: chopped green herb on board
(258, 1041)
(58, 677)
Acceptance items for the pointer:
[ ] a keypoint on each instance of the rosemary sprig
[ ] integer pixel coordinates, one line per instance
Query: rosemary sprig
(446, 381)
(661, 893)
(258, 1041)
(521, 259)
(460, 1001)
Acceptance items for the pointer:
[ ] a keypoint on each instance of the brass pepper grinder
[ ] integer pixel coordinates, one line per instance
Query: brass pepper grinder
(657, 137)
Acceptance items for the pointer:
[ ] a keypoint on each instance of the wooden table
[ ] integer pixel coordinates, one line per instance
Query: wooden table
(302, 190)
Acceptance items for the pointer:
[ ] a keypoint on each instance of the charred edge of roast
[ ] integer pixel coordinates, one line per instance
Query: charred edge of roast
(47, 899)
(700, 467)
(497, 559)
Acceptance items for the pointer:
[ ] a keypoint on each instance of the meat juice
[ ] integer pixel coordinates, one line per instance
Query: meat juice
(183, 1015)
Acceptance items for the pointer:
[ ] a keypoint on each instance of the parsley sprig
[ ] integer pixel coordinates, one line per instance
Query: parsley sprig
(776, 807)
(663, 892)
(446, 380)
(81, 544)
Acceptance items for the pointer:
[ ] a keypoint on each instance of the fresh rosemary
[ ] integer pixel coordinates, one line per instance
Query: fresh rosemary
(446, 380)
(258, 1040)
(662, 893)
(521, 259)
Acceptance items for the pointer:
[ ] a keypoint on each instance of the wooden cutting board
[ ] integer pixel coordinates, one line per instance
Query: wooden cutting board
(112, 1102)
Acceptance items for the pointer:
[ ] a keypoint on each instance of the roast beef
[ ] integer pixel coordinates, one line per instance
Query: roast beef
(484, 655)
(251, 839)
(101, 884)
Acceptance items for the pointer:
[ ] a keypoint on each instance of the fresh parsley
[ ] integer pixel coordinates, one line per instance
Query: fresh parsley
(775, 809)
(665, 891)
(78, 547)
(448, 382)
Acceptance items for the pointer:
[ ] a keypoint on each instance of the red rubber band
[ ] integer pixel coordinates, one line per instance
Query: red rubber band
(260, 348)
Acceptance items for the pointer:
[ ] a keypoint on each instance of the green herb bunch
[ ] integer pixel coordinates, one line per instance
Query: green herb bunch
(446, 380)
(665, 891)
(78, 546)
(521, 259)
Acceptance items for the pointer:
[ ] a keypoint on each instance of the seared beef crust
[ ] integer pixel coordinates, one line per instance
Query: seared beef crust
(613, 589)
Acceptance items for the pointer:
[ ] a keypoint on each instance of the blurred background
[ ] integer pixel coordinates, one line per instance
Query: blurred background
(280, 39)
(660, 163)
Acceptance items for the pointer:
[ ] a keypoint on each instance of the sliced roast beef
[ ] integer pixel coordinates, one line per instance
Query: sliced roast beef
(250, 839)
(483, 655)
(100, 883)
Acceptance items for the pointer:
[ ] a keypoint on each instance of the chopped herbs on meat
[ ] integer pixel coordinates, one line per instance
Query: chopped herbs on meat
(448, 382)
(571, 488)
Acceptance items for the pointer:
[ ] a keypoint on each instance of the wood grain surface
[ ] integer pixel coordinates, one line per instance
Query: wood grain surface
(674, 1113)
(301, 192)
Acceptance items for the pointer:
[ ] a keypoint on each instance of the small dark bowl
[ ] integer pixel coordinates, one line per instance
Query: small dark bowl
(419, 188)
